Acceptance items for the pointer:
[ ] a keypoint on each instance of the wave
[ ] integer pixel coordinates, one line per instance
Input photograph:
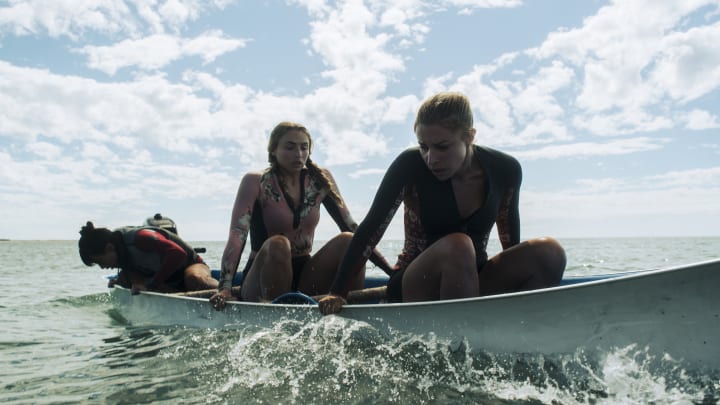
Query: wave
(340, 360)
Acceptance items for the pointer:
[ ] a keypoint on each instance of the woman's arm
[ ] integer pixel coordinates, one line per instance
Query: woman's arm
(239, 228)
(368, 234)
(342, 217)
(508, 218)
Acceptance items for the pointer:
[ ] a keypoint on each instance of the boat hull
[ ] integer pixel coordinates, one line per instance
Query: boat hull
(670, 311)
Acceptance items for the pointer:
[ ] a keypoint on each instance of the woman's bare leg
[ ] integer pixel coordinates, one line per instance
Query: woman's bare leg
(319, 272)
(198, 277)
(271, 273)
(536, 263)
(445, 270)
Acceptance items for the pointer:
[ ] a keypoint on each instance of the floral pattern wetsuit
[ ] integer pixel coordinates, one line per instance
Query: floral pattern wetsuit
(261, 210)
(431, 210)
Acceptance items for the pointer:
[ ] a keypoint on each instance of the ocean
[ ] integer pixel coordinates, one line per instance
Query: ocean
(61, 342)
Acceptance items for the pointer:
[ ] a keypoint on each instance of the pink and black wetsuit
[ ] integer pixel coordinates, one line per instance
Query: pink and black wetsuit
(262, 210)
(431, 211)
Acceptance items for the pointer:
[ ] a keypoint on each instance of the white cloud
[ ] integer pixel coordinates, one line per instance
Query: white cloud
(45, 150)
(399, 109)
(349, 146)
(157, 51)
(66, 17)
(67, 108)
(701, 119)
(366, 172)
(484, 3)
(629, 64)
(536, 99)
(119, 149)
(96, 184)
(688, 66)
(588, 149)
(494, 119)
(362, 63)
(92, 151)
(73, 19)
(709, 177)
(621, 122)
(542, 131)
(176, 12)
(628, 202)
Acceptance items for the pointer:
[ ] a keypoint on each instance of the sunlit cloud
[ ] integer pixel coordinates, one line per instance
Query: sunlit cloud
(588, 149)
(162, 119)
(701, 119)
(73, 19)
(157, 51)
(366, 172)
(628, 197)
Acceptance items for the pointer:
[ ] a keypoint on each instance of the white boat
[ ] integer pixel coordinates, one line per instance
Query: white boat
(673, 311)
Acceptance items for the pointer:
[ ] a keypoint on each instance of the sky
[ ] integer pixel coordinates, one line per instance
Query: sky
(113, 110)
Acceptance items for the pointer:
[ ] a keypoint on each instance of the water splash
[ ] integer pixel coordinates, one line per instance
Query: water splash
(339, 360)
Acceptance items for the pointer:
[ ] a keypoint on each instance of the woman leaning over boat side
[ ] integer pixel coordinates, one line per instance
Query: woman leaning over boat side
(149, 258)
(453, 193)
(280, 208)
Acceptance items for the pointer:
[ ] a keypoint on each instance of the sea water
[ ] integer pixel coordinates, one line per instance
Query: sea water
(62, 342)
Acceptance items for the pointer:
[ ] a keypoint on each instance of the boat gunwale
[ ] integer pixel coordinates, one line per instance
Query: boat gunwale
(607, 278)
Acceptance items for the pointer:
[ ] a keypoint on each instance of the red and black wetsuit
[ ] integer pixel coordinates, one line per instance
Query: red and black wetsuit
(158, 254)
(431, 210)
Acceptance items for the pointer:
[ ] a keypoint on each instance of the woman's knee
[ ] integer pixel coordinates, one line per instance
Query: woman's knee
(344, 236)
(277, 244)
(451, 256)
(458, 250)
(199, 276)
(551, 249)
(552, 254)
(341, 241)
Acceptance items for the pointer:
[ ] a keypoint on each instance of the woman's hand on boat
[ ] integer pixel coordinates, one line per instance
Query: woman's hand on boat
(136, 288)
(331, 304)
(220, 298)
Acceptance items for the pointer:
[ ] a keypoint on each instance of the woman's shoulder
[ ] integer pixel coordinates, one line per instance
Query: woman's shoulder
(410, 151)
(406, 164)
(253, 180)
(501, 163)
(324, 170)
(498, 157)
(255, 176)
(321, 171)
(410, 155)
(149, 235)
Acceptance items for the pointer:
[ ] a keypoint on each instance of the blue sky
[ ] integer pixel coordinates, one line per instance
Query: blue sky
(113, 110)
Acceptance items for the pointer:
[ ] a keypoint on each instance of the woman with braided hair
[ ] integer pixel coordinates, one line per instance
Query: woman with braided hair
(279, 208)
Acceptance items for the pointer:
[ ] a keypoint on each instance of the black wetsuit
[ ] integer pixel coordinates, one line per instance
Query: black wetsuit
(431, 210)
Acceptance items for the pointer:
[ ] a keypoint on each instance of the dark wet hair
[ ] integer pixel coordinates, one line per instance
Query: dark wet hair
(450, 110)
(93, 241)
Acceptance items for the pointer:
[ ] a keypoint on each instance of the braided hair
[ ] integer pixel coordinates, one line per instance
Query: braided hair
(93, 241)
(318, 174)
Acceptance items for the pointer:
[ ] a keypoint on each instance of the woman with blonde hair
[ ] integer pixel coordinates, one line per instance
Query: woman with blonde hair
(454, 192)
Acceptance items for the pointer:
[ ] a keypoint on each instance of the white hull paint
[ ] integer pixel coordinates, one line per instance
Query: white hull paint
(674, 311)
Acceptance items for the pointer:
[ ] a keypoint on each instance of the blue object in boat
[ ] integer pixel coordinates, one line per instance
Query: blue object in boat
(295, 298)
